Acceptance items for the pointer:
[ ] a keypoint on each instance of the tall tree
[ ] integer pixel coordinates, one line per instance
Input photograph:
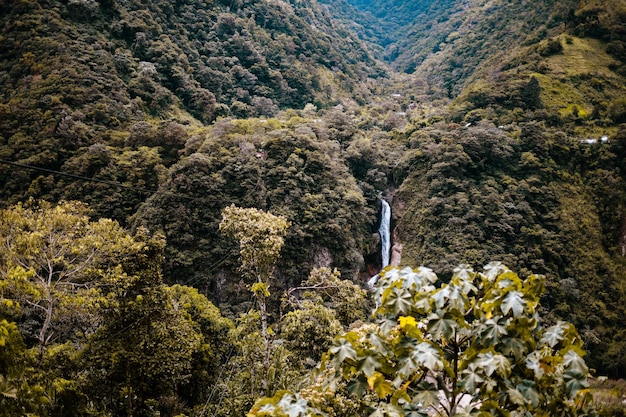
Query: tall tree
(261, 237)
(51, 258)
(142, 356)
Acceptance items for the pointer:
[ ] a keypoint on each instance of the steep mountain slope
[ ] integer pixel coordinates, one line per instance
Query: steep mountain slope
(561, 62)
(521, 174)
(80, 74)
(383, 23)
(401, 13)
(535, 199)
(278, 105)
(377, 33)
(453, 42)
(414, 28)
(450, 47)
(576, 74)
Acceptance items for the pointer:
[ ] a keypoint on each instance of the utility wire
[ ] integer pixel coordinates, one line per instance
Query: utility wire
(80, 177)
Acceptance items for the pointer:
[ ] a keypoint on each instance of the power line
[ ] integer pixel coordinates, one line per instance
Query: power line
(83, 178)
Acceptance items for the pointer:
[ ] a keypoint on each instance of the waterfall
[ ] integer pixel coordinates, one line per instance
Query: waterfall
(383, 230)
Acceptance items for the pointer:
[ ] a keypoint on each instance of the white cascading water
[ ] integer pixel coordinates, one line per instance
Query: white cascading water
(385, 234)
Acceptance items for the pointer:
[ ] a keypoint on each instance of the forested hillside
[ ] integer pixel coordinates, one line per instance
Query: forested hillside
(81, 77)
(190, 202)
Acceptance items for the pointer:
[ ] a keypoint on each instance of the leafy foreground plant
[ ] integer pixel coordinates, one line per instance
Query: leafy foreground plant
(472, 347)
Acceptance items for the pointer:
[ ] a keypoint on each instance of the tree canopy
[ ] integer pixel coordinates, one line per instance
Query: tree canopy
(475, 345)
(52, 261)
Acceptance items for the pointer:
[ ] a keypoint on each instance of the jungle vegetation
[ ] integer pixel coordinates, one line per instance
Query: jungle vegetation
(190, 197)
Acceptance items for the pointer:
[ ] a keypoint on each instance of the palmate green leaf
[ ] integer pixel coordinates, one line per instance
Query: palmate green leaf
(428, 356)
(528, 390)
(409, 278)
(427, 395)
(294, 406)
(465, 272)
(472, 377)
(489, 385)
(386, 326)
(503, 282)
(533, 362)
(427, 274)
(509, 280)
(357, 386)
(457, 298)
(493, 269)
(514, 302)
(341, 352)
(412, 280)
(516, 397)
(410, 409)
(368, 365)
(378, 344)
(408, 366)
(422, 304)
(465, 286)
(491, 363)
(552, 336)
(491, 330)
(513, 346)
(407, 343)
(393, 274)
(575, 380)
(440, 327)
(573, 361)
(398, 300)
(389, 277)
(441, 296)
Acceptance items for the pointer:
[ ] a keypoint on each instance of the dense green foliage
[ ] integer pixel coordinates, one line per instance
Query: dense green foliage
(89, 327)
(52, 260)
(292, 169)
(116, 338)
(534, 202)
(454, 46)
(501, 138)
(473, 346)
(82, 82)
